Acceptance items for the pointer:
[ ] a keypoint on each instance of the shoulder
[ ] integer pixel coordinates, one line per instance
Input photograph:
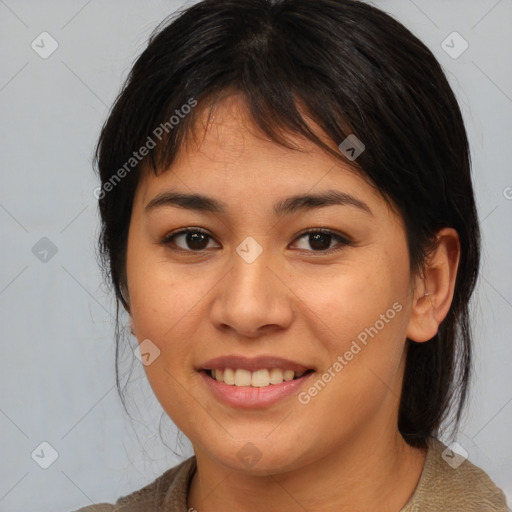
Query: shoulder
(449, 484)
(168, 492)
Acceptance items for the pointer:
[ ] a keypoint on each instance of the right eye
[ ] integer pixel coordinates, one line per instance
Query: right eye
(189, 240)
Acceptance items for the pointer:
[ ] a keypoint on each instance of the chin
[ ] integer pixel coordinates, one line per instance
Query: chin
(260, 457)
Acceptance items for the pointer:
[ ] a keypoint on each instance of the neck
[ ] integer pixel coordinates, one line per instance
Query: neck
(380, 474)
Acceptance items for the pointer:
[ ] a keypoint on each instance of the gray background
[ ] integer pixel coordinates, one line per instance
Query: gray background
(57, 369)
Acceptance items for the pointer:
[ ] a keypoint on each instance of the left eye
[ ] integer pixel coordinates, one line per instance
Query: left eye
(320, 240)
(196, 240)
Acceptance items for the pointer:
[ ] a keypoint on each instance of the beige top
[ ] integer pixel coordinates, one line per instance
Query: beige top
(441, 488)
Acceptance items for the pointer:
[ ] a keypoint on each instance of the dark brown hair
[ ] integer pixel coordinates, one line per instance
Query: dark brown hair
(354, 70)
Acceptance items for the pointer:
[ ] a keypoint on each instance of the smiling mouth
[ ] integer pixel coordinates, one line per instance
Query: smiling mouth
(258, 379)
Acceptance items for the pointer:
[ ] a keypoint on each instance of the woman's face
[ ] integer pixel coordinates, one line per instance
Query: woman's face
(253, 284)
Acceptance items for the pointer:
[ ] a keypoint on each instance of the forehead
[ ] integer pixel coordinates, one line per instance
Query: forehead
(227, 130)
(229, 156)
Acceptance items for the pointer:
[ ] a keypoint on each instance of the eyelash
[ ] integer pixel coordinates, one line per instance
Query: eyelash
(342, 241)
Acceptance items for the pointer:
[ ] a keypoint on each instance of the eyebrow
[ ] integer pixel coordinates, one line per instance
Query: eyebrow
(301, 202)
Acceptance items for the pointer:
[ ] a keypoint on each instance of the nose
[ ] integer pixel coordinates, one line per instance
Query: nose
(252, 299)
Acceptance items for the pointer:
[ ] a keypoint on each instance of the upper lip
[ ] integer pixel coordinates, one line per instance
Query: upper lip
(252, 363)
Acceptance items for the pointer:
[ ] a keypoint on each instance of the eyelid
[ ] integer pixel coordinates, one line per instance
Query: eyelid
(167, 239)
(325, 231)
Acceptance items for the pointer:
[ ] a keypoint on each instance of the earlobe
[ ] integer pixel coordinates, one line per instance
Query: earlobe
(433, 293)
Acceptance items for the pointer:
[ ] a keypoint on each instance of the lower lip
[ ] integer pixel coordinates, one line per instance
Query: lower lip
(249, 397)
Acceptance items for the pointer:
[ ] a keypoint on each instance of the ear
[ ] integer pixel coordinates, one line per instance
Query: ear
(433, 290)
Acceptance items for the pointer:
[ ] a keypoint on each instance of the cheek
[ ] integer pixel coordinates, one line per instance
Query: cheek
(362, 371)
(354, 297)
(166, 310)
(360, 315)
(168, 306)
(162, 304)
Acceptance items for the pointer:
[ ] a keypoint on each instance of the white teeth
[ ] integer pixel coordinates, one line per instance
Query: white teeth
(229, 376)
(288, 374)
(242, 378)
(258, 379)
(276, 376)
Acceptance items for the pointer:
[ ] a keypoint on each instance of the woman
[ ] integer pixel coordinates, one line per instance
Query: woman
(288, 218)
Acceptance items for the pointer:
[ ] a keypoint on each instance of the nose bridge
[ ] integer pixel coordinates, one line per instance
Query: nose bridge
(251, 296)
(251, 274)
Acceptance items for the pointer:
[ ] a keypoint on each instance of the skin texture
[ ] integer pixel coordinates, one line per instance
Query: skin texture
(293, 302)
